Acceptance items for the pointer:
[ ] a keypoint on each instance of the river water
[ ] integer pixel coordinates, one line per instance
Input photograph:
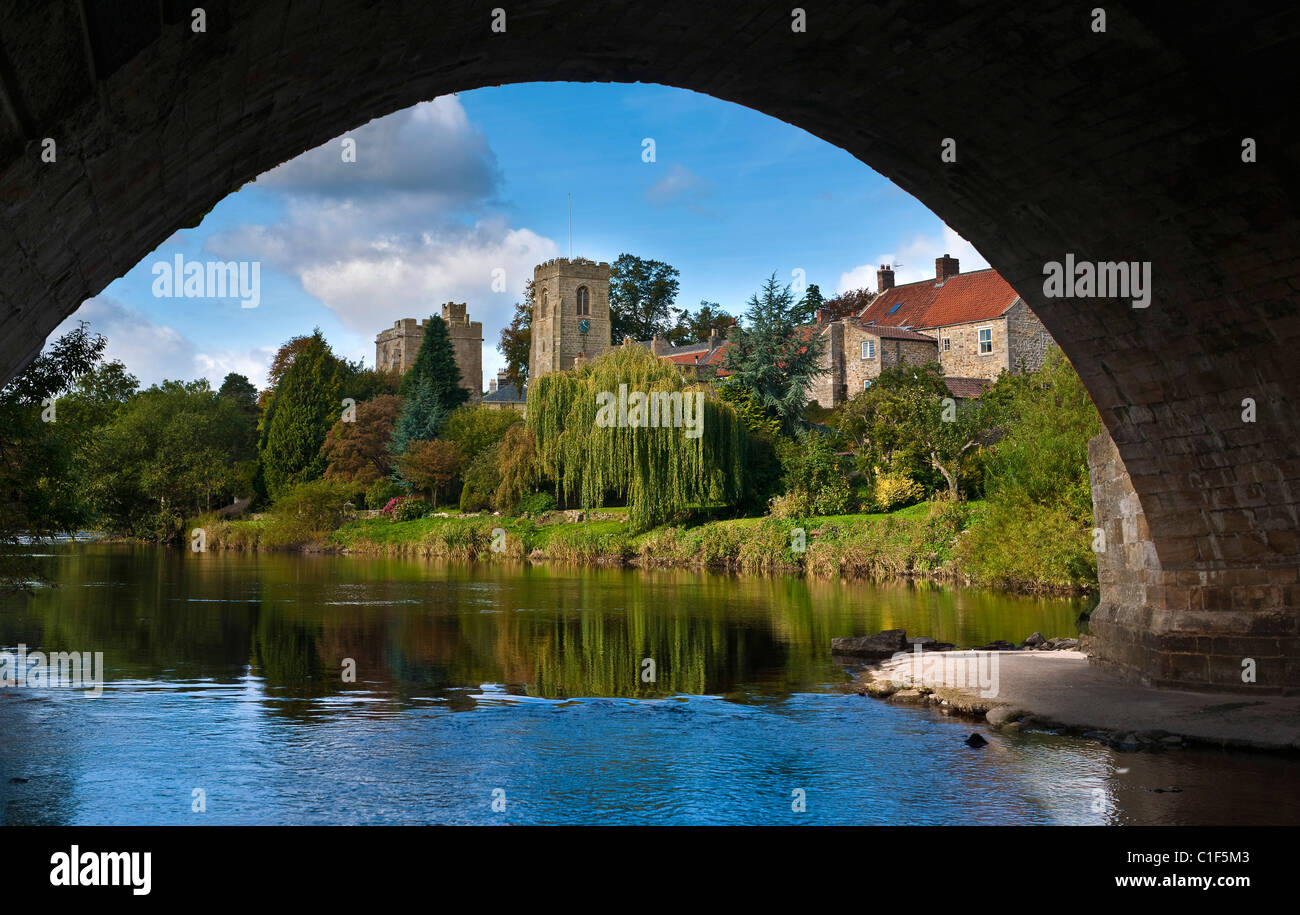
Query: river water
(498, 694)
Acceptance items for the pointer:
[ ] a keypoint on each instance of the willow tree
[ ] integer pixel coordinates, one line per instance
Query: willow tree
(629, 426)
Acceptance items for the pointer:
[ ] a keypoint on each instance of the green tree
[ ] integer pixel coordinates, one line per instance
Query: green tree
(641, 296)
(517, 339)
(475, 429)
(771, 357)
(435, 364)
(697, 328)
(41, 487)
(660, 470)
(305, 403)
(173, 451)
(806, 310)
(421, 418)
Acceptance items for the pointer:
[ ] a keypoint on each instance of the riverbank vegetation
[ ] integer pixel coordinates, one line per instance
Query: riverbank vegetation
(900, 480)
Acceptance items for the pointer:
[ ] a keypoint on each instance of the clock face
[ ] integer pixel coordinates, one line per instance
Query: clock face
(584, 325)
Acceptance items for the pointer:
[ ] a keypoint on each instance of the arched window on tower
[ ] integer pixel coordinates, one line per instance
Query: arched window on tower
(546, 300)
(584, 301)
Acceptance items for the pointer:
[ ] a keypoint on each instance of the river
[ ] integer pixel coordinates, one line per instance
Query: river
(498, 694)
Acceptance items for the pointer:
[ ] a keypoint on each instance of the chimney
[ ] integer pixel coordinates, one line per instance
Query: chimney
(714, 340)
(658, 345)
(492, 386)
(945, 267)
(884, 278)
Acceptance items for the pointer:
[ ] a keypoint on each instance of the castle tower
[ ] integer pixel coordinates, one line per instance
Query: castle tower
(467, 341)
(570, 314)
(396, 347)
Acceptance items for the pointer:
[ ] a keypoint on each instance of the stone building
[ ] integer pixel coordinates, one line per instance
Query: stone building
(502, 395)
(973, 324)
(570, 314)
(396, 347)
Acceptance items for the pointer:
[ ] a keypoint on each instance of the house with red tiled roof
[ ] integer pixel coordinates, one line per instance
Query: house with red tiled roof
(973, 324)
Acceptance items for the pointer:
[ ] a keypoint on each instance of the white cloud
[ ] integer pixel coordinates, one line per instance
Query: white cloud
(916, 258)
(400, 231)
(155, 352)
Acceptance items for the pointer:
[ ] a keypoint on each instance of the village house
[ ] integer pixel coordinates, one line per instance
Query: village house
(973, 324)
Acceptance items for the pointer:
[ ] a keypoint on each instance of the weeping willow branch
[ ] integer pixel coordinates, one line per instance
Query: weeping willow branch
(659, 471)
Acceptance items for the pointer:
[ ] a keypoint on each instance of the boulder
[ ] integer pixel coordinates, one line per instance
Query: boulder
(1034, 640)
(928, 644)
(976, 740)
(999, 645)
(1001, 714)
(881, 645)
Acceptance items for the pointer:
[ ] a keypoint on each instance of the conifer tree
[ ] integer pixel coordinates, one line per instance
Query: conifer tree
(436, 364)
(304, 405)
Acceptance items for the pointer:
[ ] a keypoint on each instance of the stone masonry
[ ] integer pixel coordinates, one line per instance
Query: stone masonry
(1151, 143)
(396, 347)
(558, 335)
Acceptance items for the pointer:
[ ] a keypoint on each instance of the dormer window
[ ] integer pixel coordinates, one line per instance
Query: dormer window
(584, 301)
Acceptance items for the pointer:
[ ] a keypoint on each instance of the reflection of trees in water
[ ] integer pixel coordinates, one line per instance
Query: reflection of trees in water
(424, 629)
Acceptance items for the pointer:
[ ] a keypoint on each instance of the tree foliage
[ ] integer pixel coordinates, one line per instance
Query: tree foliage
(357, 451)
(516, 340)
(771, 357)
(435, 365)
(659, 471)
(641, 296)
(430, 466)
(304, 404)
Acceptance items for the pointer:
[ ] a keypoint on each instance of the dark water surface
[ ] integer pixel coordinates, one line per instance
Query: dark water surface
(523, 684)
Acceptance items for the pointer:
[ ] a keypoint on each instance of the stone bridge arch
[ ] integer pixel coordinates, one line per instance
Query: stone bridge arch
(1122, 144)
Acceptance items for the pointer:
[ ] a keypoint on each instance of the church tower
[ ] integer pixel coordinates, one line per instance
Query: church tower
(570, 314)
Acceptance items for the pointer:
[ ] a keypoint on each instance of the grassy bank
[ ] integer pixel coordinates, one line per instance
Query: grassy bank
(922, 540)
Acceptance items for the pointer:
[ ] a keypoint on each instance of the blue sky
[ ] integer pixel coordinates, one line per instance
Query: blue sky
(443, 194)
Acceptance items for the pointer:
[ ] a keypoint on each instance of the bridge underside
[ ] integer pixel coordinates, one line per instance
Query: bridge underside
(1123, 144)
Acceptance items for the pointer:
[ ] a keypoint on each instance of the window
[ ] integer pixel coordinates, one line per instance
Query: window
(947, 344)
(546, 301)
(986, 340)
(868, 349)
(866, 383)
(584, 301)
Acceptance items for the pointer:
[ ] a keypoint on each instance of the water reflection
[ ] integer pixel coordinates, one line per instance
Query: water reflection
(415, 628)
(225, 674)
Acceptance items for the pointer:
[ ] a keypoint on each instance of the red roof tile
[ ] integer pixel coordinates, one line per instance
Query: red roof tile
(975, 296)
(897, 333)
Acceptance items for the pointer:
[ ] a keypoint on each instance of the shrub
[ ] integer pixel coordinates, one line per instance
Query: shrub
(410, 509)
(381, 492)
(895, 490)
(305, 513)
(536, 503)
(481, 480)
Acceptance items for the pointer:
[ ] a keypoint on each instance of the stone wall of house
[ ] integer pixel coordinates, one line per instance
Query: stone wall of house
(557, 336)
(1027, 338)
(889, 353)
(963, 358)
(827, 388)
